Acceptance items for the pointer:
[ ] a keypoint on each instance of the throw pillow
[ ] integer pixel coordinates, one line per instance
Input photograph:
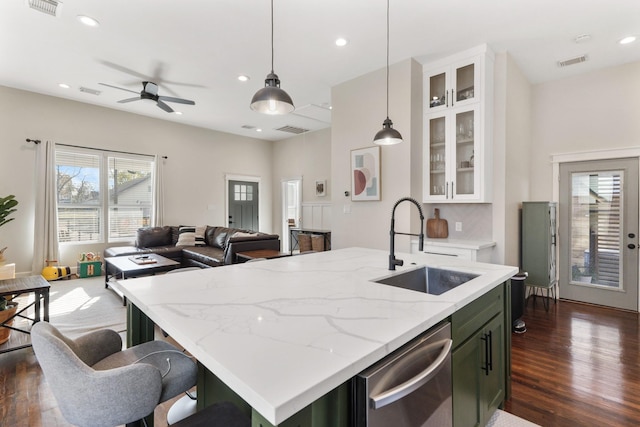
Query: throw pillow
(243, 234)
(191, 236)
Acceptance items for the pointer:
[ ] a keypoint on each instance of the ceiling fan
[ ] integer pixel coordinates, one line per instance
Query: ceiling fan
(150, 91)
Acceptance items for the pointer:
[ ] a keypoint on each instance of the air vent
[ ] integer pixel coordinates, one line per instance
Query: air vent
(50, 7)
(248, 127)
(293, 129)
(91, 91)
(572, 61)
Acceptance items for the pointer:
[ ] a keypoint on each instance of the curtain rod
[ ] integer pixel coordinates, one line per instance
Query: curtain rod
(37, 141)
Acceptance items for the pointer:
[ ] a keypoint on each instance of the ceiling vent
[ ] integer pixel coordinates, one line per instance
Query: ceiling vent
(248, 127)
(91, 91)
(293, 129)
(572, 61)
(50, 7)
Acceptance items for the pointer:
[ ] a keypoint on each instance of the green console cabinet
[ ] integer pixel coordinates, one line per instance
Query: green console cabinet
(479, 358)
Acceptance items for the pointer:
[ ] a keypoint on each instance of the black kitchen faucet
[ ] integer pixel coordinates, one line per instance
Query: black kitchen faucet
(392, 233)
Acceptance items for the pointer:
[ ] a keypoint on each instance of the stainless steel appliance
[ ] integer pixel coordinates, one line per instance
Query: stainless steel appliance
(409, 388)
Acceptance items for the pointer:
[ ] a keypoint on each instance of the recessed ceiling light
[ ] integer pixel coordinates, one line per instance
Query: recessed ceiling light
(627, 40)
(88, 21)
(258, 130)
(243, 78)
(178, 112)
(341, 41)
(64, 85)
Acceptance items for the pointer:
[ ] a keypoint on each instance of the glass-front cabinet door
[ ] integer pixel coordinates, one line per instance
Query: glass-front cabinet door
(450, 154)
(436, 157)
(452, 86)
(465, 151)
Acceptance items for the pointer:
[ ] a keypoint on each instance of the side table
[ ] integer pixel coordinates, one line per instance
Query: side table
(25, 285)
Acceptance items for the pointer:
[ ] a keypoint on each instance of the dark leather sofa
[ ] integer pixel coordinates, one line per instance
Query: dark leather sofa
(220, 246)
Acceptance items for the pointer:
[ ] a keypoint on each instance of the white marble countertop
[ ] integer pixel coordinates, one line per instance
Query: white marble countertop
(460, 243)
(282, 333)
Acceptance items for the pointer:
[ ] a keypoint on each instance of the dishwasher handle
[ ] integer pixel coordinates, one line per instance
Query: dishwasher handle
(389, 396)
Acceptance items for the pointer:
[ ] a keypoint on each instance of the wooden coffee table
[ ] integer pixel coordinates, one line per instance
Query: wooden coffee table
(125, 267)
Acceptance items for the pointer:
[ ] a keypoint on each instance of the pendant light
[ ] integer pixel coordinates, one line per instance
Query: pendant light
(388, 135)
(271, 99)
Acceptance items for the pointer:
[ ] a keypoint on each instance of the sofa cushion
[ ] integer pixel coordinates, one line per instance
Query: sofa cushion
(191, 236)
(206, 255)
(175, 233)
(148, 237)
(218, 237)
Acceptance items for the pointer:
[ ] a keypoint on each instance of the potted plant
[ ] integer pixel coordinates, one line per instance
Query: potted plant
(7, 310)
(7, 207)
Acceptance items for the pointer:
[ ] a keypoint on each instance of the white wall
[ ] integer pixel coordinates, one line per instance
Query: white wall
(359, 108)
(306, 156)
(512, 145)
(198, 160)
(593, 111)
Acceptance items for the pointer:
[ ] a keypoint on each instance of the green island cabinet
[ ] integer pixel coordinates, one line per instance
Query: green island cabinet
(480, 358)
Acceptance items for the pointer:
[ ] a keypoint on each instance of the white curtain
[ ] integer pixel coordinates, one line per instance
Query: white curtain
(158, 194)
(46, 219)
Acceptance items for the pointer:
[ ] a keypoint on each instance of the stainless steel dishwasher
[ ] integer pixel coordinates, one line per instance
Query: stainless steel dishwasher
(409, 388)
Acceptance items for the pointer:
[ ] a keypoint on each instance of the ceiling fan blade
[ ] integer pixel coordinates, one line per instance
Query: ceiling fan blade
(122, 101)
(116, 87)
(178, 100)
(165, 107)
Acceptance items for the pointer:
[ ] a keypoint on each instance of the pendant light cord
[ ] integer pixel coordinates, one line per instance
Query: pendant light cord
(387, 58)
(272, 37)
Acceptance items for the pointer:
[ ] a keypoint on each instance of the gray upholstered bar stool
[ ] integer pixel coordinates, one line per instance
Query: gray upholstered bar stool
(97, 384)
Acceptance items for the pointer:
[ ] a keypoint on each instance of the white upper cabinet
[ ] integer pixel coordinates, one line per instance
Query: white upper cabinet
(457, 128)
(453, 85)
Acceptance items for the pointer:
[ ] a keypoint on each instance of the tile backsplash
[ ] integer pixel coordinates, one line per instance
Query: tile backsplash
(476, 219)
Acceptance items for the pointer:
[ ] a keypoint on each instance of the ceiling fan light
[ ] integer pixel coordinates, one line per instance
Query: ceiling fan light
(271, 99)
(387, 135)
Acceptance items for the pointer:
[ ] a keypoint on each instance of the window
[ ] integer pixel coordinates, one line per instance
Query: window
(102, 194)
(242, 192)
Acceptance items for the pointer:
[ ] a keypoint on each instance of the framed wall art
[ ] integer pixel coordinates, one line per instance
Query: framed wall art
(365, 174)
(321, 187)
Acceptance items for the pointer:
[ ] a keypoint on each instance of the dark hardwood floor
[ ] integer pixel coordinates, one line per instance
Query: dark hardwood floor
(577, 365)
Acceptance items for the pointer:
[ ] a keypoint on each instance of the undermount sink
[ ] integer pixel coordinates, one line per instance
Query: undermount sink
(434, 281)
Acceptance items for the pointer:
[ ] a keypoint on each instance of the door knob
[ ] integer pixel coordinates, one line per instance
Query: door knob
(631, 246)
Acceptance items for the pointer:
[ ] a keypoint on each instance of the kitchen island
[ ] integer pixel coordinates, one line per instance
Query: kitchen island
(284, 333)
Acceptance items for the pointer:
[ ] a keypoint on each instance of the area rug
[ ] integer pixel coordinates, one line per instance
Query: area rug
(78, 306)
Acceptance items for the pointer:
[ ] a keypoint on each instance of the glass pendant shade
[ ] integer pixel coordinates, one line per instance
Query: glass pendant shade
(388, 135)
(271, 99)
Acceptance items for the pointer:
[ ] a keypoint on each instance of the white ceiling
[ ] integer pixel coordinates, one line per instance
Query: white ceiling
(195, 49)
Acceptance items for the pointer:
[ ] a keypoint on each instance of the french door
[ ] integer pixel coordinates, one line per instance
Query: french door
(598, 229)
